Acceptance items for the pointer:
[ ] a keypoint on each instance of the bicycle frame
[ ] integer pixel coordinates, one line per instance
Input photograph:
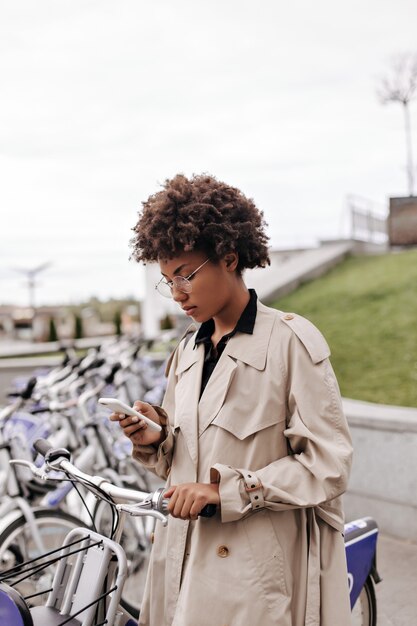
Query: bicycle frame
(360, 543)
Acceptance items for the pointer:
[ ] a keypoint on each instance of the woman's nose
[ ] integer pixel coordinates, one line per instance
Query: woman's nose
(178, 295)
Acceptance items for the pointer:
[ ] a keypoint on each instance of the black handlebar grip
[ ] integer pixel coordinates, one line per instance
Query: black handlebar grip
(110, 377)
(208, 511)
(42, 446)
(27, 392)
(50, 454)
(96, 363)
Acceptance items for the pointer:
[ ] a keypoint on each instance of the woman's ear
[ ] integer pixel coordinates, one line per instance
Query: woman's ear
(231, 260)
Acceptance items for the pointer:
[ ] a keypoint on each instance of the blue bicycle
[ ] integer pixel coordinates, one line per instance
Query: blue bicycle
(361, 538)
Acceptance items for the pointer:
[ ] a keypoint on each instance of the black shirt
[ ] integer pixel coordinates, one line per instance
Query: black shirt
(245, 324)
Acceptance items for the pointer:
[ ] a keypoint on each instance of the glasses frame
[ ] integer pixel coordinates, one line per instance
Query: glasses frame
(173, 283)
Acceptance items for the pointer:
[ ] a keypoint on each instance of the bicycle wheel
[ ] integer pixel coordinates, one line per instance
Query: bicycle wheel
(17, 546)
(136, 541)
(364, 611)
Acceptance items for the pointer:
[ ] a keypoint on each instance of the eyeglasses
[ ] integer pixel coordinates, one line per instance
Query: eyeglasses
(181, 283)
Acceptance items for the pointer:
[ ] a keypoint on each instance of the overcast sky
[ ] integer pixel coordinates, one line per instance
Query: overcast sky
(102, 100)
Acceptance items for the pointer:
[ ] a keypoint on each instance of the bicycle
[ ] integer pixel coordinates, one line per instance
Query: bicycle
(74, 423)
(92, 569)
(22, 523)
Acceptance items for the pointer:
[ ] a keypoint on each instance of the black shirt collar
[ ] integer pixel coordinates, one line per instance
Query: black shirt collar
(245, 323)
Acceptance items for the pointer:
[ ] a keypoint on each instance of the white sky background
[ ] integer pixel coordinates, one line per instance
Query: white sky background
(102, 100)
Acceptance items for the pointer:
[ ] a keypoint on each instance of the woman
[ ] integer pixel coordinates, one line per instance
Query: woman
(253, 424)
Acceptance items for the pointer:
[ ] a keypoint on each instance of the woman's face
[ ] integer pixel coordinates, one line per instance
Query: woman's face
(211, 284)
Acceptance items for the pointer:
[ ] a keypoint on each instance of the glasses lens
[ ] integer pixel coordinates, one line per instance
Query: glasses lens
(182, 284)
(179, 282)
(164, 289)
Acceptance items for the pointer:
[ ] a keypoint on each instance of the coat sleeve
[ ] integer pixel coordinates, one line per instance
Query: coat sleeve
(317, 467)
(158, 459)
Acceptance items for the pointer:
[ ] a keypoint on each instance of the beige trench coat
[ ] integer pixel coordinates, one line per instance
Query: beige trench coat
(270, 422)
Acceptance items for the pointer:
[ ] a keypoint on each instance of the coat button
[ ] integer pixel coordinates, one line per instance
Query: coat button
(289, 316)
(223, 551)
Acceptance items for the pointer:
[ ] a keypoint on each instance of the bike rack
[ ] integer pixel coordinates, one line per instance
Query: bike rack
(77, 590)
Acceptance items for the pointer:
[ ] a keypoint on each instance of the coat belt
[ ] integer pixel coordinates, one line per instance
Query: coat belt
(312, 616)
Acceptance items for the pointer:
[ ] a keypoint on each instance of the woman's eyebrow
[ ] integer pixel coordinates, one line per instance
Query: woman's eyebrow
(181, 267)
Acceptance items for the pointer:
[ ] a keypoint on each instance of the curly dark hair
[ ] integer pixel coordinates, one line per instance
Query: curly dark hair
(200, 213)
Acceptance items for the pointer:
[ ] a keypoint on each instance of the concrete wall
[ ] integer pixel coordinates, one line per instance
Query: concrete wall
(383, 482)
(286, 273)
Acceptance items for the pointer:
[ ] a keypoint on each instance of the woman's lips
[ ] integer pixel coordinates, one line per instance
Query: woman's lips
(189, 310)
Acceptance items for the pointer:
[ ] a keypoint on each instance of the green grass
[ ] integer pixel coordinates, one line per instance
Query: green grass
(367, 309)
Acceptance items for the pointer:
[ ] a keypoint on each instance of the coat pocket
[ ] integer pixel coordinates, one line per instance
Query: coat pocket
(242, 424)
(268, 558)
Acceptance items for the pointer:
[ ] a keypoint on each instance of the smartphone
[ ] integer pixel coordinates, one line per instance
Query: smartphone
(117, 406)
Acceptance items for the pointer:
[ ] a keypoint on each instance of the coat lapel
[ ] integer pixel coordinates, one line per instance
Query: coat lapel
(215, 392)
(250, 349)
(187, 394)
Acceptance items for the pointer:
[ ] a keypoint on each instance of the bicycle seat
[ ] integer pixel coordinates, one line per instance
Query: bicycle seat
(47, 616)
(13, 609)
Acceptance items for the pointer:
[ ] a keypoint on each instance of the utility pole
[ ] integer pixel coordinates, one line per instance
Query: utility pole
(32, 276)
(400, 85)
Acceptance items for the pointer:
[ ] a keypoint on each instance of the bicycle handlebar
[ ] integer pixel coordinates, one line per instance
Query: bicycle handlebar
(61, 458)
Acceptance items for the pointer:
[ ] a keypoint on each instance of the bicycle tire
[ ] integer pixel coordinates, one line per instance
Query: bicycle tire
(364, 612)
(17, 545)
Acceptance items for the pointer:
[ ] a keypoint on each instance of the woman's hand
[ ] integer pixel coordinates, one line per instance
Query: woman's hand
(187, 500)
(136, 429)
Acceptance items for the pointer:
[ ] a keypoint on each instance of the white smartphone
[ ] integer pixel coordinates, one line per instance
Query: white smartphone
(117, 406)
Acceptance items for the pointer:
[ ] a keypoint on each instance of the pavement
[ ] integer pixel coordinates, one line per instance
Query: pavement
(397, 593)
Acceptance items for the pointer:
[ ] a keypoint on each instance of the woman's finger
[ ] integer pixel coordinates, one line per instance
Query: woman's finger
(168, 493)
(176, 503)
(143, 407)
(127, 420)
(195, 508)
(133, 428)
(179, 504)
(186, 507)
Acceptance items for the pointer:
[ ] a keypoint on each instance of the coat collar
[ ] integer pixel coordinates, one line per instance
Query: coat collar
(253, 349)
(250, 349)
